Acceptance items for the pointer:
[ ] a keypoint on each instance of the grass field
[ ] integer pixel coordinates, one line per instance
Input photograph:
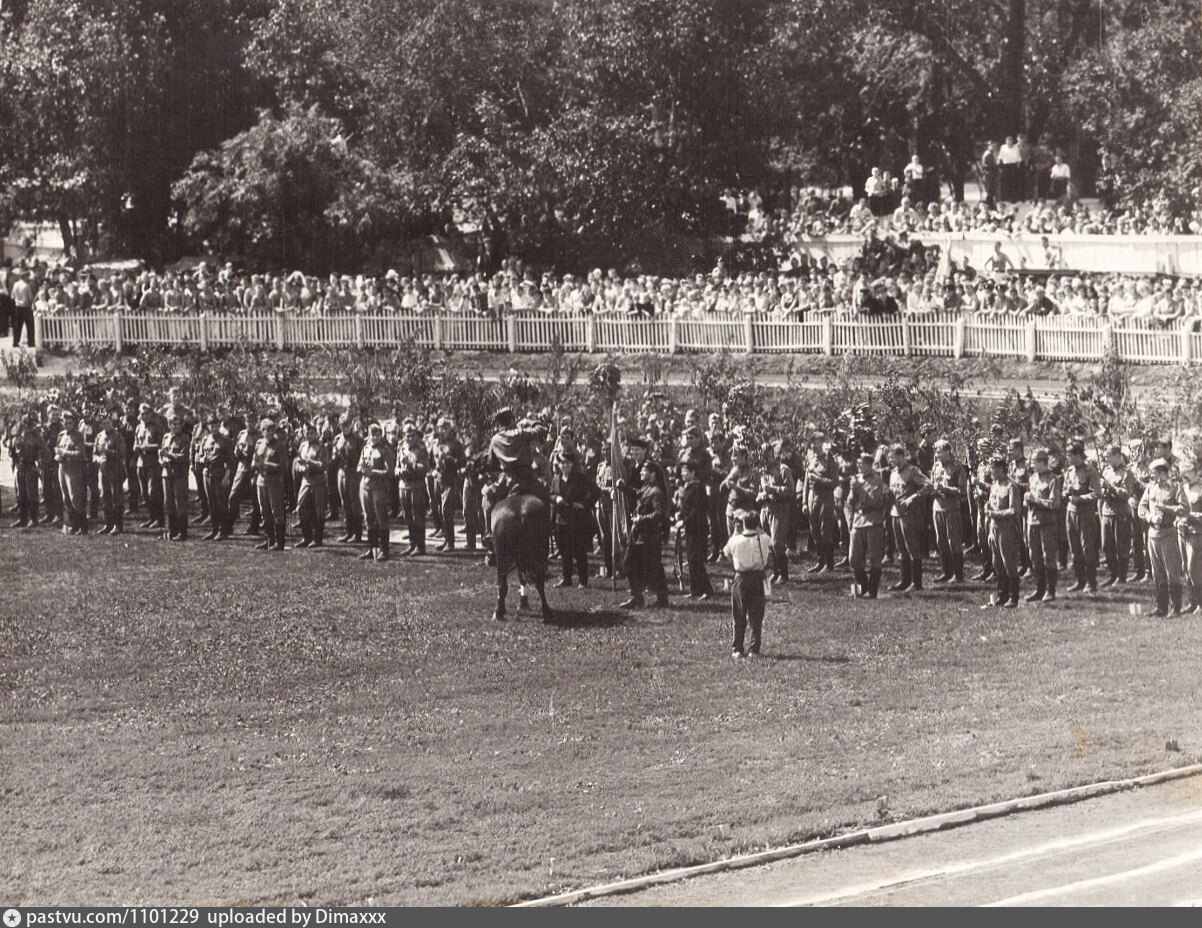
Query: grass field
(207, 724)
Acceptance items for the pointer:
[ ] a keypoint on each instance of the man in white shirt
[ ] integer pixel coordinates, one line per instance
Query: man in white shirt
(1010, 160)
(22, 297)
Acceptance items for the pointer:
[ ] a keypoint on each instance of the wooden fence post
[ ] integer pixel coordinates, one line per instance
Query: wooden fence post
(1186, 346)
(279, 332)
(828, 336)
(958, 338)
(748, 335)
(590, 334)
(118, 342)
(204, 333)
(1031, 341)
(438, 333)
(37, 330)
(673, 335)
(358, 331)
(907, 349)
(511, 333)
(1107, 339)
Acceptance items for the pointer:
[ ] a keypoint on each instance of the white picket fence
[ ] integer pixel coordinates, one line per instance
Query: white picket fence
(942, 335)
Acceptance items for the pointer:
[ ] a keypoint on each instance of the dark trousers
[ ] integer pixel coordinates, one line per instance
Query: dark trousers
(213, 479)
(448, 503)
(572, 539)
(25, 479)
(175, 504)
(695, 550)
(949, 538)
(243, 487)
(23, 317)
(202, 495)
(1116, 543)
(645, 568)
(152, 492)
(414, 503)
(311, 506)
(348, 489)
(747, 607)
(1084, 533)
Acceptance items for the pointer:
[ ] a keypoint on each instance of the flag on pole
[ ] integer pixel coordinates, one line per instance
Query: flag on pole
(617, 466)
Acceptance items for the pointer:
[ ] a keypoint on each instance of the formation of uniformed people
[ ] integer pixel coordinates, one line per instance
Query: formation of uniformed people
(1024, 514)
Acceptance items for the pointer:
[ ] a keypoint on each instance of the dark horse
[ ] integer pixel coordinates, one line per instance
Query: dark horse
(521, 529)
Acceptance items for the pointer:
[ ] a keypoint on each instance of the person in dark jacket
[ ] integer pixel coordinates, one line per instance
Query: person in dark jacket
(643, 554)
(573, 495)
(692, 522)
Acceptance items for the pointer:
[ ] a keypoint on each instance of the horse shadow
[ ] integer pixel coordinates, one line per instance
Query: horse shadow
(589, 618)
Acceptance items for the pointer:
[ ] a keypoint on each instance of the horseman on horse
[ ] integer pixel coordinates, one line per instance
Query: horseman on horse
(516, 456)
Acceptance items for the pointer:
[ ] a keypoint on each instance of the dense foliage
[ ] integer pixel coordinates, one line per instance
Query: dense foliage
(323, 133)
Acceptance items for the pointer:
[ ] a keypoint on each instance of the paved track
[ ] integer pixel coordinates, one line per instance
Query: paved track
(1142, 847)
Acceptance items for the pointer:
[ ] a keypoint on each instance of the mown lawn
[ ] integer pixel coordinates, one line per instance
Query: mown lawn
(205, 724)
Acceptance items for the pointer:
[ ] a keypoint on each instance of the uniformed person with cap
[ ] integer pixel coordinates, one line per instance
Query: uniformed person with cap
(128, 426)
(71, 455)
(108, 454)
(88, 427)
(908, 489)
(270, 464)
(1020, 475)
(739, 486)
(775, 502)
(511, 456)
(949, 485)
(215, 456)
(175, 452)
(1162, 503)
(821, 477)
(27, 449)
(242, 486)
(348, 446)
(200, 430)
(867, 509)
(692, 521)
(449, 459)
(1083, 489)
(1042, 502)
(1004, 511)
(412, 465)
(1189, 528)
(147, 437)
(52, 491)
(376, 479)
(644, 553)
(313, 469)
(1118, 487)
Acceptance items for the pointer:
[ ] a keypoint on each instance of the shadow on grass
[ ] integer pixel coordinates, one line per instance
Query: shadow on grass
(589, 618)
(809, 658)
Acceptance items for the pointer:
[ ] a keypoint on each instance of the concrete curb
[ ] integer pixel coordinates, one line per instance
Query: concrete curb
(917, 826)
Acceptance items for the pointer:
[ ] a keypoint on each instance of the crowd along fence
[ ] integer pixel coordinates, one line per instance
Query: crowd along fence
(1051, 338)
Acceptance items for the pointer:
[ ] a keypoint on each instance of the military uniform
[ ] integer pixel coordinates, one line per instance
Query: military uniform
(821, 478)
(108, 454)
(270, 465)
(52, 490)
(1019, 473)
(908, 490)
(449, 460)
(128, 426)
(242, 486)
(1004, 511)
(1082, 488)
(72, 457)
(147, 438)
(1189, 528)
(644, 553)
(1118, 487)
(27, 449)
(1043, 514)
(776, 501)
(348, 446)
(949, 483)
(313, 469)
(412, 465)
(1160, 506)
(91, 471)
(215, 458)
(693, 515)
(376, 480)
(867, 509)
(199, 433)
(175, 450)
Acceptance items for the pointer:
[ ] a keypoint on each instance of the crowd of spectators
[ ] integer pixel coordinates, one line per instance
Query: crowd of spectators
(887, 281)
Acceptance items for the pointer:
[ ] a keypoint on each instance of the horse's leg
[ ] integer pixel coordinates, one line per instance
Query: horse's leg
(523, 593)
(502, 591)
(540, 584)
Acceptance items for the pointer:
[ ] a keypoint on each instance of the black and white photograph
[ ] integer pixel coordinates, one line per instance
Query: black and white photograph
(576, 453)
